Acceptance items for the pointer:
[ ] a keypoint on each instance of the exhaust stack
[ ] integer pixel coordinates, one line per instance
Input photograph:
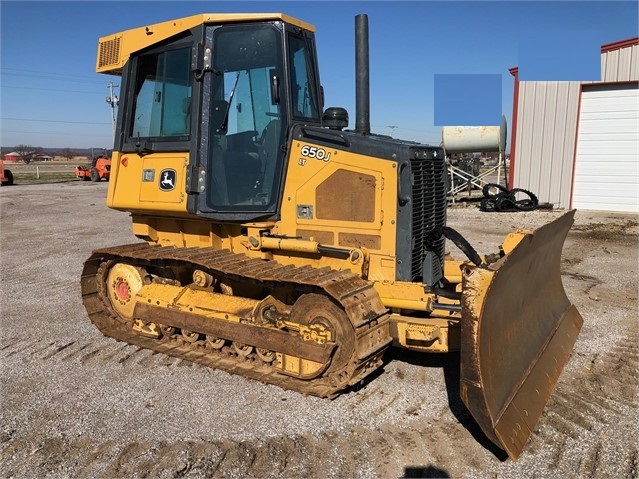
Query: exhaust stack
(362, 74)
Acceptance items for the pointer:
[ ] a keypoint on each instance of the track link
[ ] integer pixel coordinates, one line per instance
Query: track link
(368, 316)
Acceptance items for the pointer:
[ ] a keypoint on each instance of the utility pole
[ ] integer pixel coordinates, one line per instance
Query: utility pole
(113, 101)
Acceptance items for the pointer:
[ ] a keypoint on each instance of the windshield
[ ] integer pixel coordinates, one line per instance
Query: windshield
(245, 121)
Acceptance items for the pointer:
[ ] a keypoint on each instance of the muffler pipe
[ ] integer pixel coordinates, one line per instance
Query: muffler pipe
(362, 76)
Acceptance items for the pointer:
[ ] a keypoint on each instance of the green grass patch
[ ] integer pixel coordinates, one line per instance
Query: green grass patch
(44, 177)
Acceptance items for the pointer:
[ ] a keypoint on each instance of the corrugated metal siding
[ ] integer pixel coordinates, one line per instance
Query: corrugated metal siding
(620, 65)
(546, 129)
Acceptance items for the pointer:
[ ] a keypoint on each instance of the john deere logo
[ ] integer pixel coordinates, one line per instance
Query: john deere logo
(167, 179)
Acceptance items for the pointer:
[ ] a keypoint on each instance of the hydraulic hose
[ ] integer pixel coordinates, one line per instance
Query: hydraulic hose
(462, 244)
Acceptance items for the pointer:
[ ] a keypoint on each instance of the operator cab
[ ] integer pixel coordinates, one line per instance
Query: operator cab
(227, 93)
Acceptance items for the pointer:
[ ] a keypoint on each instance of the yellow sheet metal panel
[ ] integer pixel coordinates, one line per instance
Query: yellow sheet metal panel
(114, 50)
(155, 182)
(180, 232)
(401, 294)
(433, 335)
(335, 177)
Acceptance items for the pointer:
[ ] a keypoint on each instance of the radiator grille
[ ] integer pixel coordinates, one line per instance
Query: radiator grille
(428, 215)
(109, 52)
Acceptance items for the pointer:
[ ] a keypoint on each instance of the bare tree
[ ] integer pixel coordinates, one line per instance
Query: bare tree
(68, 153)
(28, 152)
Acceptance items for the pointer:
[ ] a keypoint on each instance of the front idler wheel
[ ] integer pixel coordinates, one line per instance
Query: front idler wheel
(123, 283)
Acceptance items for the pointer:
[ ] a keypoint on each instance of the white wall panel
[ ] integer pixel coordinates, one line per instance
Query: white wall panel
(607, 154)
(546, 128)
(620, 65)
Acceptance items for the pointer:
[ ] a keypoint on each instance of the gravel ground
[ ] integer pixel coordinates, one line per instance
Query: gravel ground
(77, 404)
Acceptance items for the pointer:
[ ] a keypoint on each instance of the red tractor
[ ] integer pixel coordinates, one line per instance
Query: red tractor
(6, 177)
(97, 170)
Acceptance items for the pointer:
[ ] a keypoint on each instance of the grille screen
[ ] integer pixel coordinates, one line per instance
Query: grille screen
(429, 215)
(109, 52)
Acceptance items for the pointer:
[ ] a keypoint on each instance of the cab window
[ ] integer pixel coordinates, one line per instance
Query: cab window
(304, 97)
(162, 98)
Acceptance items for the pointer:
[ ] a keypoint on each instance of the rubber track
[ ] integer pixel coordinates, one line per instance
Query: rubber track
(358, 298)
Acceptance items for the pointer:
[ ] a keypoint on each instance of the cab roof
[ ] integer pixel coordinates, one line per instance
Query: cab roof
(114, 50)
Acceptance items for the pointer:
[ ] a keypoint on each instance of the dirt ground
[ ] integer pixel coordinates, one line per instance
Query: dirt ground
(78, 404)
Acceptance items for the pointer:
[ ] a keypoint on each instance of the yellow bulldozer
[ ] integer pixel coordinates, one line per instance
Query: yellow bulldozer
(282, 246)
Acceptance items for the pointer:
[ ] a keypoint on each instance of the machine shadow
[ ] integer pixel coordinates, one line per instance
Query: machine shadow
(450, 363)
(424, 472)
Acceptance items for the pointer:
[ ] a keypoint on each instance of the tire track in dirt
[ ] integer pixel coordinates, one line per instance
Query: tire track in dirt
(631, 467)
(362, 453)
(57, 349)
(21, 347)
(581, 409)
(11, 343)
(588, 409)
(592, 462)
(102, 349)
(75, 353)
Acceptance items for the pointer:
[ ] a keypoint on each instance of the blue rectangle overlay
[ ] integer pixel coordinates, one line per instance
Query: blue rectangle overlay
(558, 57)
(467, 100)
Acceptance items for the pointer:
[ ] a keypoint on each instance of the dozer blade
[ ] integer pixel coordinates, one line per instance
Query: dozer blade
(517, 332)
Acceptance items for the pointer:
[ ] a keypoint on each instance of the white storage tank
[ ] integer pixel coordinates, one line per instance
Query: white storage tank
(469, 139)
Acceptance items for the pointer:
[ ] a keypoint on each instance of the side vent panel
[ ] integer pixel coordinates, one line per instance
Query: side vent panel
(109, 53)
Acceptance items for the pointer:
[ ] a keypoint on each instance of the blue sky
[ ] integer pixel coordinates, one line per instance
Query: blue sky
(50, 95)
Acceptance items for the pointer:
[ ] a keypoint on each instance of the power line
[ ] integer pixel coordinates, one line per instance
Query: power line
(48, 89)
(49, 78)
(34, 132)
(31, 73)
(55, 121)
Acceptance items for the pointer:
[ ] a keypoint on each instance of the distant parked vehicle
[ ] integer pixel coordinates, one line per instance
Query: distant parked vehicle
(98, 169)
(6, 177)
